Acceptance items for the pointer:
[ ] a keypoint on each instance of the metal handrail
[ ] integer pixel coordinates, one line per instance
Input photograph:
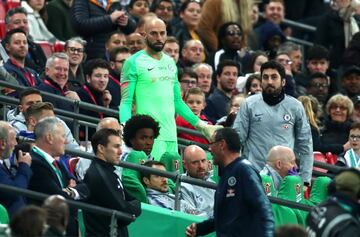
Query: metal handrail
(295, 24)
(175, 176)
(300, 41)
(82, 105)
(71, 116)
(299, 25)
(84, 206)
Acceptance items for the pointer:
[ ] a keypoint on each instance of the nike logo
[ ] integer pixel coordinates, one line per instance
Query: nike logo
(149, 69)
(257, 115)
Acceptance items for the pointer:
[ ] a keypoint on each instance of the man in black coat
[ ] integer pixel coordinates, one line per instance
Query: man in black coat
(105, 186)
(95, 90)
(49, 175)
(339, 214)
(16, 18)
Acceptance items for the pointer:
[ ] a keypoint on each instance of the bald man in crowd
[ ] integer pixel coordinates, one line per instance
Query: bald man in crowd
(281, 162)
(197, 167)
(57, 215)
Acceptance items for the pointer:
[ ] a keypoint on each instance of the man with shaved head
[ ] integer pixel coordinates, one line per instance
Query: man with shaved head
(57, 215)
(197, 167)
(150, 78)
(281, 162)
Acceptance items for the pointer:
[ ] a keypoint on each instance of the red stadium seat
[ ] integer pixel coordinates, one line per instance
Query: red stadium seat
(318, 156)
(2, 21)
(46, 47)
(59, 46)
(12, 4)
(331, 158)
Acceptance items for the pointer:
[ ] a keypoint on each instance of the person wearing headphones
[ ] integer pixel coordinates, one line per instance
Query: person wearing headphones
(339, 215)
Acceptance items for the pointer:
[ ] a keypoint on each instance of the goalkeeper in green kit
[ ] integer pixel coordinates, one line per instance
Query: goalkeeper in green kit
(150, 78)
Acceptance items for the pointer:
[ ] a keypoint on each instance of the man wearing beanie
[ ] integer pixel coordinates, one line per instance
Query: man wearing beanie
(340, 214)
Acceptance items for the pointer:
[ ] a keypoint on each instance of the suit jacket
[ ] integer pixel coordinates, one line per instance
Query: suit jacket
(46, 181)
(106, 190)
(10, 201)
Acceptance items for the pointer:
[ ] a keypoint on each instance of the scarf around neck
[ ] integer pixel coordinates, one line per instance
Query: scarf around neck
(273, 100)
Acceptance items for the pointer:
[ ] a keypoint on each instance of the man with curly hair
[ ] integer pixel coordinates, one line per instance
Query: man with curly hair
(139, 134)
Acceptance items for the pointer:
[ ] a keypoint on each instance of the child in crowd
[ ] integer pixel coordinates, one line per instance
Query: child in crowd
(351, 157)
(187, 79)
(195, 99)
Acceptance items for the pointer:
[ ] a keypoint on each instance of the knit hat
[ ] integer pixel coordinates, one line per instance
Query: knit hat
(348, 182)
(350, 70)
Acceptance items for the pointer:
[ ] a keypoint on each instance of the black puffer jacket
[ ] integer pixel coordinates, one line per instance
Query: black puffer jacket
(335, 133)
(94, 24)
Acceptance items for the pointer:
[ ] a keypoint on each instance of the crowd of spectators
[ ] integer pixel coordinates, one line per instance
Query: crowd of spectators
(234, 68)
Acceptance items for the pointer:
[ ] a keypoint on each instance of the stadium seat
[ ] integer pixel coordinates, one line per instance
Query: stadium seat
(131, 178)
(156, 221)
(4, 216)
(268, 185)
(59, 46)
(319, 190)
(10, 4)
(331, 158)
(318, 156)
(291, 189)
(172, 161)
(46, 47)
(283, 215)
(2, 21)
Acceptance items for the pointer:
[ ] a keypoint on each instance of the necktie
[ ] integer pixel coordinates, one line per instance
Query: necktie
(55, 164)
(58, 172)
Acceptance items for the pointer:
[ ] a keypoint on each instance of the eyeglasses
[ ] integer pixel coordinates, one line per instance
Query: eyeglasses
(163, 8)
(76, 50)
(340, 107)
(188, 82)
(233, 33)
(354, 137)
(323, 85)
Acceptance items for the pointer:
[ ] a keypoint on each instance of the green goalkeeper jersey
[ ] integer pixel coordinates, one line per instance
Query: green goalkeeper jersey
(154, 85)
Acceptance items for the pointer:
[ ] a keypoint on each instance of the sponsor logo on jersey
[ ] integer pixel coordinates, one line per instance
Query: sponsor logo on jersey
(287, 117)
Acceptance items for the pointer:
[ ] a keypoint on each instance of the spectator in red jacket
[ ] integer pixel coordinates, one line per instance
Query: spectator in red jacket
(195, 99)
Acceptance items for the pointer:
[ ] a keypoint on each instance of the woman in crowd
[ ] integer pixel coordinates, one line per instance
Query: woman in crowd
(254, 62)
(37, 29)
(337, 123)
(253, 85)
(186, 29)
(309, 102)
